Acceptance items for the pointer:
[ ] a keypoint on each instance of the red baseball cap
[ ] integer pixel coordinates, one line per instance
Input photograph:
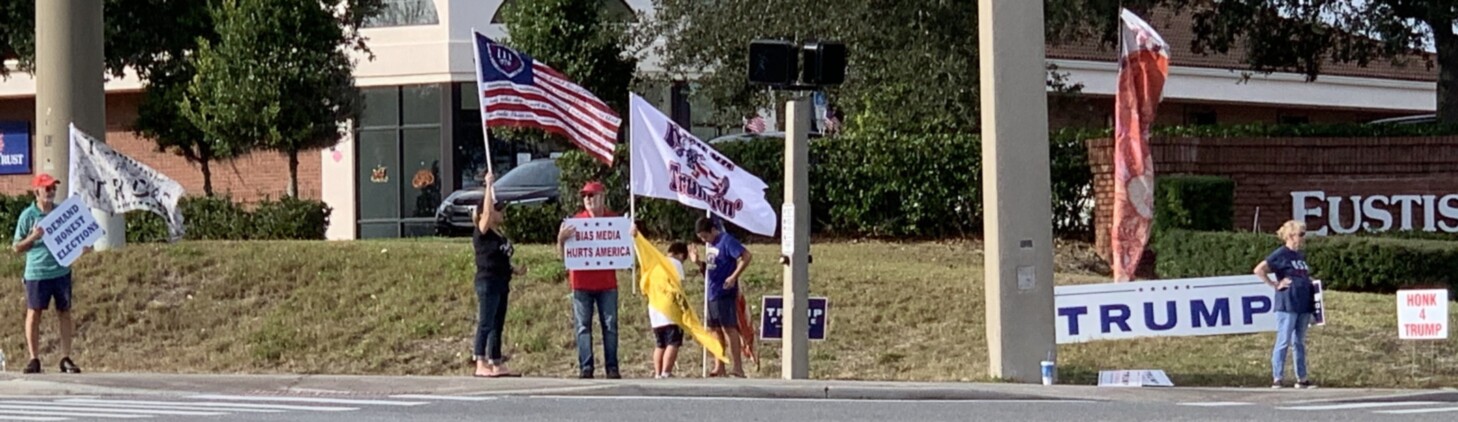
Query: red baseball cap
(43, 180)
(594, 188)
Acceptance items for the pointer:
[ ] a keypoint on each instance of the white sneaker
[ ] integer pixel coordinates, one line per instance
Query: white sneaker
(658, 376)
(666, 375)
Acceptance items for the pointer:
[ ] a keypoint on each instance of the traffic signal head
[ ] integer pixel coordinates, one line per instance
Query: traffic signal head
(773, 63)
(824, 63)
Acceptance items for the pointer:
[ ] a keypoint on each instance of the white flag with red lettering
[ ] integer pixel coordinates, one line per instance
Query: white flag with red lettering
(670, 163)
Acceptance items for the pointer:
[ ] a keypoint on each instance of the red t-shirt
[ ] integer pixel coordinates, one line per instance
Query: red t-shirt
(593, 280)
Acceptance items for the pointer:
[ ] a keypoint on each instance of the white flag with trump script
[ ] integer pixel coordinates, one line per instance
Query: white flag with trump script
(115, 183)
(670, 163)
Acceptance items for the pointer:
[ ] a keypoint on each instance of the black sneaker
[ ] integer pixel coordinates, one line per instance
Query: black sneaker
(587, 375)
(33, 367)
(69, 367)
(1305, 384)
(1276, 384)
(613, 374)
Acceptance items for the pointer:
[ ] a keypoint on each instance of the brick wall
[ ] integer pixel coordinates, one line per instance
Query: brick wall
(248, 179)
(1267, 170)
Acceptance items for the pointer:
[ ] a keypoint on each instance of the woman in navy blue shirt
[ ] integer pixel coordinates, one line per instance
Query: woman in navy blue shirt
(1295, 301)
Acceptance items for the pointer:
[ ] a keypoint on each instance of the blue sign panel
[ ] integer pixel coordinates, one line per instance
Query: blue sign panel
(14, 148)
(771, 321)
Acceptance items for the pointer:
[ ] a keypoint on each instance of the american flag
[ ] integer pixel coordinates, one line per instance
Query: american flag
(518, 91)
(754, 125)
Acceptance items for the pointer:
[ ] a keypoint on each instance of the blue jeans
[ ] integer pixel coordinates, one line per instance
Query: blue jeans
(490, 321)
(1290, 332)
(606, 302)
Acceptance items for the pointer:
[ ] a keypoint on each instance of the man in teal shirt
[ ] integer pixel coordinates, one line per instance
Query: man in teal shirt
(45, 279)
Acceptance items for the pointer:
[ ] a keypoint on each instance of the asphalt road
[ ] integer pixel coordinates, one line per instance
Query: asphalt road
(223, 408)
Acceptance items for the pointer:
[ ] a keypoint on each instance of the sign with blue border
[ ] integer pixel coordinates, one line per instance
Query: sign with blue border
(14, 148)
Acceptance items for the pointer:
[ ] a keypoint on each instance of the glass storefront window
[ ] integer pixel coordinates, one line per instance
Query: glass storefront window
(420, 164)
(420, 105)
(381, 107)
(379, 173)
(398, 166)
(404, 13)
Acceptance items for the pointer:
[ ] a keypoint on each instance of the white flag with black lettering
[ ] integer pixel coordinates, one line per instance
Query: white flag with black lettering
(115, 183)
(670, 163)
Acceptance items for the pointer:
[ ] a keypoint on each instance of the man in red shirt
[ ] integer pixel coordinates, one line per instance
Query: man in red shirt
(593, 289)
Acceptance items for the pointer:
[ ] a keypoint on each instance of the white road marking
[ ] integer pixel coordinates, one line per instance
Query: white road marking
(1415, 411)
(1216, 404)
(149, 406)
(72, 414)
(222, 404)
(531, 391)
(1346, 406)
(448, 398)
(59, 406)
(32, 418)
(309, 400)
(825, 400)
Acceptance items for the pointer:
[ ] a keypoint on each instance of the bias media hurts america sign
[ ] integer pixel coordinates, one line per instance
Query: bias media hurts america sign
(1183, 307)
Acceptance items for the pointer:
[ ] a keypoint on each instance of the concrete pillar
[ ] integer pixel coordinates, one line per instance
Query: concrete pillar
(1017, 198)
(70, 87)
(795, 242)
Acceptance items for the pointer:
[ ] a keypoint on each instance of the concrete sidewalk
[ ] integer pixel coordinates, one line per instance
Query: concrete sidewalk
(343, 385)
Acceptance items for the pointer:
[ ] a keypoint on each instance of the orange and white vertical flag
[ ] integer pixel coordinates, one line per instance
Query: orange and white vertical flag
(1143, 68)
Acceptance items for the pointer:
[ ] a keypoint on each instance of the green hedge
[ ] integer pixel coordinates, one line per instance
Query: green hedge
(927, 186)
(1350, 263)
(533, 223)
(219, 218)
(1203, 203)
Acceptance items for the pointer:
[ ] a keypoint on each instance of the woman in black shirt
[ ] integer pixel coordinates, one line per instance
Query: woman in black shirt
(493, 283)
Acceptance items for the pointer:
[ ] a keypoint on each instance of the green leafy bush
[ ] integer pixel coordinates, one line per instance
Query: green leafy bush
(1350, 263)
(1202, 203)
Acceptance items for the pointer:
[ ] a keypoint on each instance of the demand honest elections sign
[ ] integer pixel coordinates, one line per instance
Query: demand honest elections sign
(1183, 307)
(69, 229)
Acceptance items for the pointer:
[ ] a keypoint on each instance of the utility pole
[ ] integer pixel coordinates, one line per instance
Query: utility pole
(1017, 198)
(795, 242)
(70, 88)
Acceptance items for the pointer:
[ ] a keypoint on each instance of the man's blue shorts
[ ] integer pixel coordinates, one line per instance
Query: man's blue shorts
(39, 293)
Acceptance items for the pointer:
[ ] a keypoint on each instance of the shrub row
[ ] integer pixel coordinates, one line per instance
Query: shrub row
(862, 184)
(212, 218)
(1350, 263)
(1205, 203)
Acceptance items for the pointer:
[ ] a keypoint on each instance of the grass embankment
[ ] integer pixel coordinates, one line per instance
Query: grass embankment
(898, 312)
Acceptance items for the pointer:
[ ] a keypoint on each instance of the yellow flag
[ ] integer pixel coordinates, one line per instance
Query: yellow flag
(660, 282)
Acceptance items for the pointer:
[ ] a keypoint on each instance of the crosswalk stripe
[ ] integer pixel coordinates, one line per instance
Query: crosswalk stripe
(54, 406)
(71, 414)
(146, 406)
(448, 398)
(1216, 404)
(310, 400)
(1346, 406)
(32, 418)
(222, 404)
(1414, 411)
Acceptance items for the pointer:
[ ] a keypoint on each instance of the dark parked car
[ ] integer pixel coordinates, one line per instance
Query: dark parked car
(532, 183)
(746, 136)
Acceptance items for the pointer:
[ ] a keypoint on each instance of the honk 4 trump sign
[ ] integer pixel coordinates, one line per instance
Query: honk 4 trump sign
(1422, 314)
